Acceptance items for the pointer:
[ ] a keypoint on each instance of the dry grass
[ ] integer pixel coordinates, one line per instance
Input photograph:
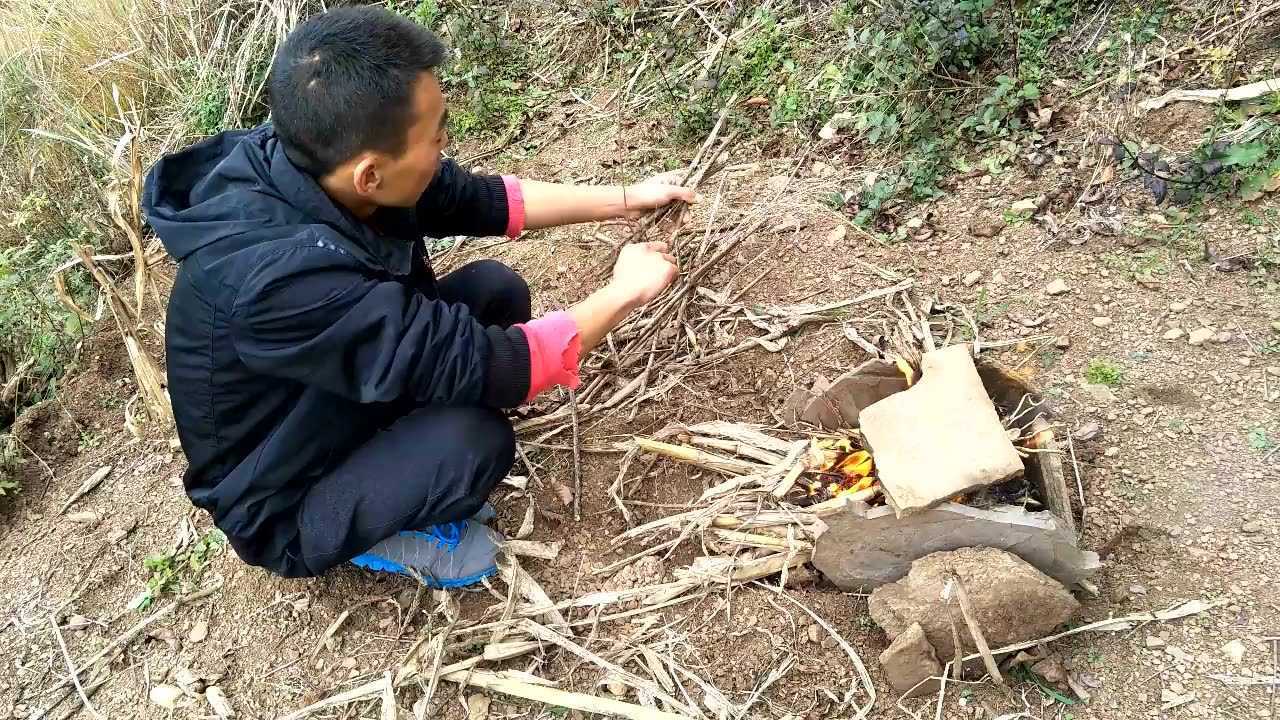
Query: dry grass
(77, 76)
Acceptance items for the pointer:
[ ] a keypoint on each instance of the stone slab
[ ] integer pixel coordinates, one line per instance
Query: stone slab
(864, 548)
(909, 662)
(939, 438)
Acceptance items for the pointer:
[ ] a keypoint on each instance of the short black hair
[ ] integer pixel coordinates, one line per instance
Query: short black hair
(342, 83)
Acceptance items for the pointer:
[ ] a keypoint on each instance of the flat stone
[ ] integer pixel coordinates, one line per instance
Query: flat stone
(1102, 322)
(909, 662)
(1200, 336)
(865, 385)
(1100, 394)
(1252, 527)
(1177, 306)
(1155, 642)
(972, 278)
(968, 445)
(1174, 334)
(1011, 600)
(1057, 287)
(864, 548)
(1062, 342)
(1222, 337)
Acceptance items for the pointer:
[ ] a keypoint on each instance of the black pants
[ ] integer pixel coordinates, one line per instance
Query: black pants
(426, 465)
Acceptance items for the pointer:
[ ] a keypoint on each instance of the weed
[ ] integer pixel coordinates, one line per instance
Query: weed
(89, 440)
(1104, 372)
(178, 568)
(1049, 357)
(1259, 439)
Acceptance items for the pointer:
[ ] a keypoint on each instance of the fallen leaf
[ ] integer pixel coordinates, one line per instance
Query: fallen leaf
(77, 622)
(526, 525)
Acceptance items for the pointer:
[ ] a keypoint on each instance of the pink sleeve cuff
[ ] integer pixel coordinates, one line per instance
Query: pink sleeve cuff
(515, 206)
(554, 347)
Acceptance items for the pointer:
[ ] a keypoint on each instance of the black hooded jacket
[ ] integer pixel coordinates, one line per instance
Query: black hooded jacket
(289, 317)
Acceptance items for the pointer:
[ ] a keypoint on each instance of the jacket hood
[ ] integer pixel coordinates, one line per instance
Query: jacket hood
(242, 182)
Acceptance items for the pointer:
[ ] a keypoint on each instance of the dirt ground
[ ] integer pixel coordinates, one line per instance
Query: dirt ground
(1181, 488)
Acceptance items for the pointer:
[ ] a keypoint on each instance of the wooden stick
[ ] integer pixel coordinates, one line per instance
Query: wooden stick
(966, 609)
(559, 698)
(86, 487)
(71, 668)
(737, 448)
(577, 458)
(635, 681)
(529, 588)
(530, 548)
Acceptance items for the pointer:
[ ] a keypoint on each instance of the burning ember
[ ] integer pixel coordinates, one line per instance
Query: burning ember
(842, 470)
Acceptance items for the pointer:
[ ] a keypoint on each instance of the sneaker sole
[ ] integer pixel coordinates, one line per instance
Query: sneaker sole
(380, 564)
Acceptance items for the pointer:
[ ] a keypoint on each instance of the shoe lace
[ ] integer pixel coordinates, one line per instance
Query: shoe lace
(447, 535)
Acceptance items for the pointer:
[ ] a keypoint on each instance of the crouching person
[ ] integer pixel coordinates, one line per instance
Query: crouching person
(337, 401)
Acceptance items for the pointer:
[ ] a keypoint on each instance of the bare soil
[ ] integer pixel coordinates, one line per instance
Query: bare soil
(1176, 499)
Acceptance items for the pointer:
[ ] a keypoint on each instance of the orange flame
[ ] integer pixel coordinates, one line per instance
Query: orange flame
(906, 369)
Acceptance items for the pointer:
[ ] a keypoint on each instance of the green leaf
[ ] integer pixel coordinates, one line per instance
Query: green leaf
(1244, 154)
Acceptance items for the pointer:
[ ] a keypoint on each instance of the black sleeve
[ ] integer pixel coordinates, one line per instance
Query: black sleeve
(460, 203)
(307, 315)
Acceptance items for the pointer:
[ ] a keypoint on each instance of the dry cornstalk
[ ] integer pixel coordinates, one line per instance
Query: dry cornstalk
(700, 458)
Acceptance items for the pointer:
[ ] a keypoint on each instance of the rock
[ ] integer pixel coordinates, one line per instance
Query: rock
(1112, 451)
(199, 632)
(908, 661)
(82, 518)
(1222, 337)
(864, 548)
(972, 278)
(969, 447)
(1057, 287)
(815, 633)
(617, 688)
(1137, 590)
(478, 705)
(1174, 334)
(1100, 394)
(1087, 432)
(840, 405)
(218, 702)
(1062, 342)
(1102, 322)
(777, 183)
(984, 228)
(1275, 327)
(1051, 670)
(830, 643)
(1200, 336)
(1154, 642)
(1012, 601)
(1178, 306)
(166, 696)
(1234, 650)
(1252, 527)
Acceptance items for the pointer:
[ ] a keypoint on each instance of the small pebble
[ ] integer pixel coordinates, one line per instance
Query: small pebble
(1057, 287)
(1252, 527)
(972, 278)
(1200, 336)
(1062, 343)
(1174, 334)
(1101, 322)
(1178, 306)
(1112, 451)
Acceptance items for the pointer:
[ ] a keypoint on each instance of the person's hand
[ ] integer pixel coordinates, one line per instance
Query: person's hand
(656, 192)
(643, 271)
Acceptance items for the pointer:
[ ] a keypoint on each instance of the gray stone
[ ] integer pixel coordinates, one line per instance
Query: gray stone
(909, 662)
(1174, 334)
(950, 409)
(1011, 600)
(1057, 287)
(1200, 336)
(1101, 321)
(865, 385)
(864, 548)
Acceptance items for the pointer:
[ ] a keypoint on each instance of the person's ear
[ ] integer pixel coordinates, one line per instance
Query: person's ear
(366, 176)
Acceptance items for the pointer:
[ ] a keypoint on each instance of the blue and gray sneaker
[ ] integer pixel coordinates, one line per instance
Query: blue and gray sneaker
(450, 555)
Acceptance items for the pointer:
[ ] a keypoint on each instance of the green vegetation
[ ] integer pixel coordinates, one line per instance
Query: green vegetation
(1259, 439)
(1104, 372)
(178, 569)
